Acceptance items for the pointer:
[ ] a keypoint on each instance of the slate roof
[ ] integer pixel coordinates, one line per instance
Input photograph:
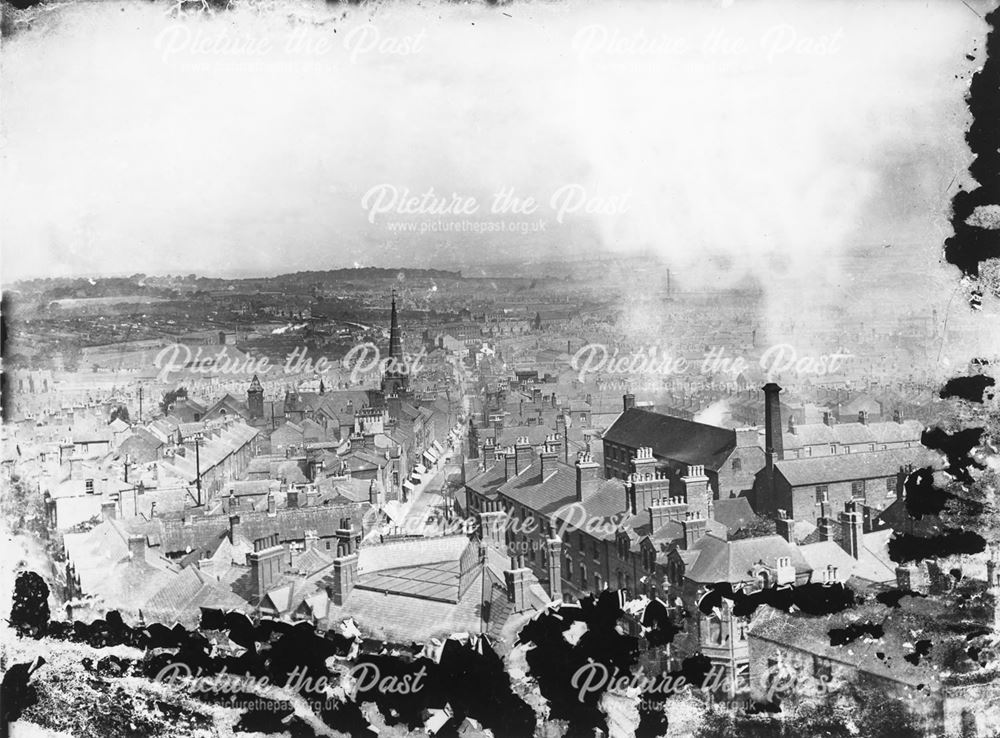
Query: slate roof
(102, 561)
(733, 512)
(141, 446)
(488, 481)
(543, 496)
(181, 600)
(213, 451)
(847, 467)
(231, 405)
(290, 524)
(674, 438)
(733, 561)
(398, 618)
(815, 434)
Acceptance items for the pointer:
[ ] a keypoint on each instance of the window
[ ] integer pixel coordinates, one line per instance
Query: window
(597, 553)
(597, 582)
(809, 450)
(858, 488)
(569, 567)
(833, 448)
(822, 494)
(871, 447)
(847, 449)
(890, 486)
(583, 575)
(737, 465)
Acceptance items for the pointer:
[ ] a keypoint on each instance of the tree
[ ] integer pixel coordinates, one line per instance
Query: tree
(170, 397)
(755, 528)
(119, 412)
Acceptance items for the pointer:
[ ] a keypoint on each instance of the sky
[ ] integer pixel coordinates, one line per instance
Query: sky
(728, 137)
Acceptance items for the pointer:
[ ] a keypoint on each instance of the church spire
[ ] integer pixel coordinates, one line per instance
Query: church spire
(395, 379)
(395, 337)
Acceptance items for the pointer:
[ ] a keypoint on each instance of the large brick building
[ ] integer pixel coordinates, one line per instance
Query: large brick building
(731, 458)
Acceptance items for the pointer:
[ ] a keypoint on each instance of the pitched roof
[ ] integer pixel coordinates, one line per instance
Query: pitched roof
(393, 616)
(674, 438)
(733, 561)
(290, 524)
(847, 467)
(817, 434)
(733, 512)
(183, 597)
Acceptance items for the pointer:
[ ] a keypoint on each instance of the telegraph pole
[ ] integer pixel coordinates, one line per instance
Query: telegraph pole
(197, 465)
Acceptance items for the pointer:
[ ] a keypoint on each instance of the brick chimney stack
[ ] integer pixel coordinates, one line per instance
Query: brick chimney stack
(696, 489)
(785, 529)
(345, 538)
(510, 463)
(549, 457)
(773, 442)
(588, 475)
(553, 548)
(825, 529)
(345, 574)
(850, 530)
(265, 565)
(628, 401)
(522, 454)
(517, 588)
(489, 452)
(694, 527)
(492, 527)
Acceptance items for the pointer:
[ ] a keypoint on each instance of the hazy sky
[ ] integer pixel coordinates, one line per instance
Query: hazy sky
(761, 133)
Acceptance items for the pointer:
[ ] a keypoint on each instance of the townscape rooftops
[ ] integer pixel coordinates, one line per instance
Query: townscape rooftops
(847, 467)
(181, 600)
(815, 434)
(682, 440)
(734, 561)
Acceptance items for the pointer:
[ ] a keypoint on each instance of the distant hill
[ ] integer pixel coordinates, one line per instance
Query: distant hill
(372, 273)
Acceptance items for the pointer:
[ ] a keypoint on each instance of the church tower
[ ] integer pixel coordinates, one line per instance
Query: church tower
(255, 398)
(395, 381)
